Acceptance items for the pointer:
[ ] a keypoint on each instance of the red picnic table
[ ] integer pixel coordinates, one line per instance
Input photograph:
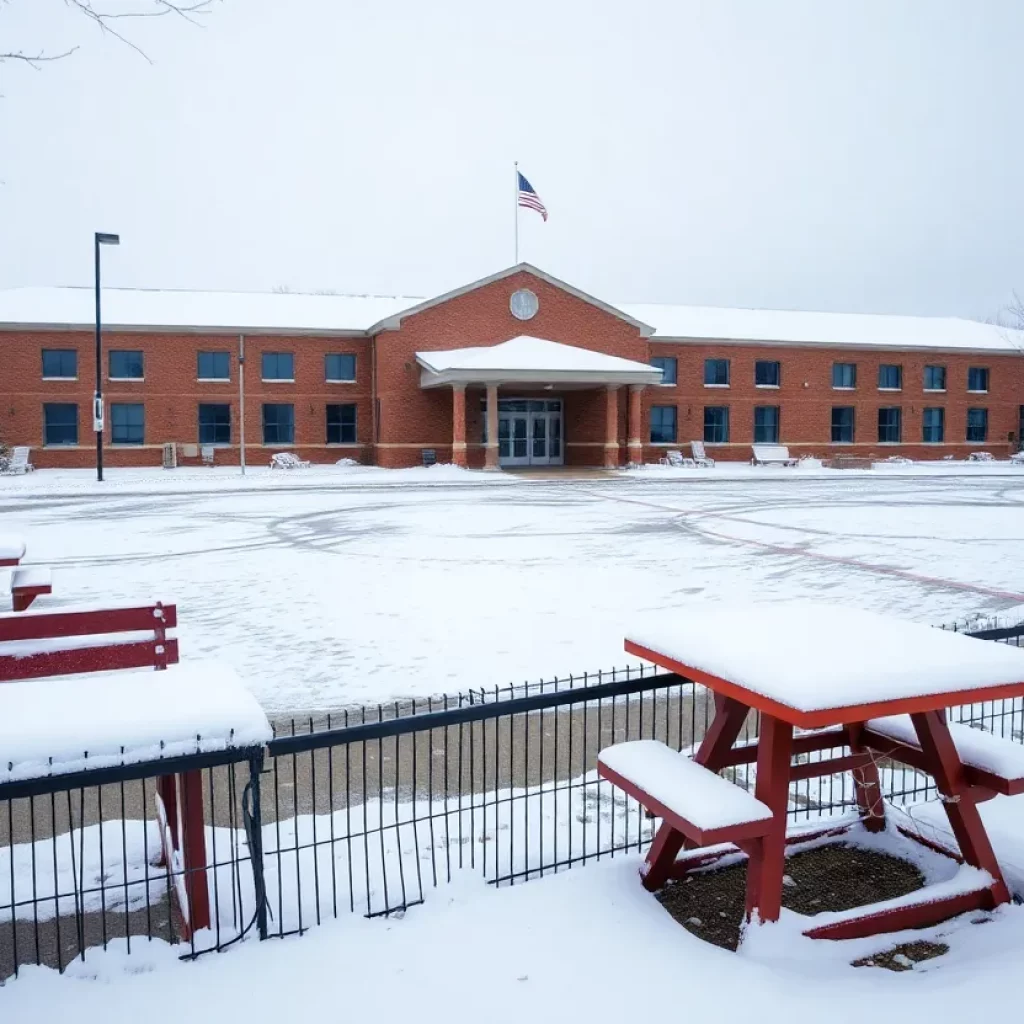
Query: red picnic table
(23, 583)
(878, 687)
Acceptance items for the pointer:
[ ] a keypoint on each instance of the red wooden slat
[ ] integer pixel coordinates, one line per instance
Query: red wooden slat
(85, 659)
(918, 915)
(110, 620)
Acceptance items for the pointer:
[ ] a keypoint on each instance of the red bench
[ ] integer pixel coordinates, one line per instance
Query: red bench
(34, 645)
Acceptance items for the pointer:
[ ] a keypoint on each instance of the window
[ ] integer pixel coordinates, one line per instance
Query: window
(890, 421)
(339, 367)
(214, 366)
(215, 423)
(933, 426)
(844, 375)
(278, 366)
(716, 424)
(278, 424)
(667, 365)
(341, 424)
(977, 379)
(766, 424)
(767, 374)
(663, 424)
(60, 423)
(716, 373)
(127, 422)
(60, 363)
(935, 378)
(977, 424)
(125, 365)
(842, 424)
(890, 377)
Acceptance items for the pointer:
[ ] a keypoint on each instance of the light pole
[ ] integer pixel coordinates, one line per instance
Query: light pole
(97, 409)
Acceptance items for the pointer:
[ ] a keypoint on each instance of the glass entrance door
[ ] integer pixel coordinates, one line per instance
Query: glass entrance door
(530, 432)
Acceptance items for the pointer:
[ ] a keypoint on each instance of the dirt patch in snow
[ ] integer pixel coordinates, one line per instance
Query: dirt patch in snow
(710, 904)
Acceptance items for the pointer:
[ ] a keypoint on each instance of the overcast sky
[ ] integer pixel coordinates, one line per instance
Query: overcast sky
(860, 155)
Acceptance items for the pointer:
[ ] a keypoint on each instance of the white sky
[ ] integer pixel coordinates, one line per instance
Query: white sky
(842, 155)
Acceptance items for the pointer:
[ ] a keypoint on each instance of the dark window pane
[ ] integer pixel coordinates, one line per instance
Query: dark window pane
(933, 425)
(716, 424)
(890, 376)
(935, 378)
(215, 423)
(127, 423)
(842, 424)
(214, 365)
(341, 424)
(766, 424)
(60, 423)
(60, 362)
(889, 424)
(716, 371)
(278, 424)
(278, 366)
(663, 424)
(767, 373)
(125, 364)
(977, 424)
(844, 375)
(977, 379)
(339, 367)
(667, 365)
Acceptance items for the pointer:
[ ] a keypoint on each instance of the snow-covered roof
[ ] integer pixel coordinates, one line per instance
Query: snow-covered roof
(857, 330)
(525, 358)
(147, 308)
(294, 313)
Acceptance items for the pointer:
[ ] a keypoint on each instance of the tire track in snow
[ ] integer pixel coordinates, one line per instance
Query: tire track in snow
(785, 549)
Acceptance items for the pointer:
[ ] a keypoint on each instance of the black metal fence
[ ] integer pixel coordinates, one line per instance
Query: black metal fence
(367, 811)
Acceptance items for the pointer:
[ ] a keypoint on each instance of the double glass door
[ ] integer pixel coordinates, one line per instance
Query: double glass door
(530, 432)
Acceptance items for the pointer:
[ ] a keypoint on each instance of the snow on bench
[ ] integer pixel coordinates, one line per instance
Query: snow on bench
(688, 795)
(977, 748)
(57, 725)
(12, 549)
(767, 454)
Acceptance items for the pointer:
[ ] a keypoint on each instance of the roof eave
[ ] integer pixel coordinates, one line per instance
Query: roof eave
(345, 332)
(835, 345)
(430, 378)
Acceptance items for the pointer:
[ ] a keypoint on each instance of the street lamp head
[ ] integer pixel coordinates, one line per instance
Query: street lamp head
(105, 239)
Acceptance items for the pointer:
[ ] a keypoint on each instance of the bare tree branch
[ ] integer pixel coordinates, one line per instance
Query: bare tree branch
(104, 19)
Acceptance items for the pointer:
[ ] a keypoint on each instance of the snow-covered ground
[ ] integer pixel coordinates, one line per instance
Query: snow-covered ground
(332, 586)
(588, 944)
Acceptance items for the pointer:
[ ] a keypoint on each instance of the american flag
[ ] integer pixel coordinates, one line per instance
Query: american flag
(529, 198)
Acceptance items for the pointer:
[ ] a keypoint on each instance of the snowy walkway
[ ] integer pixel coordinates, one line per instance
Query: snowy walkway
(370, 592)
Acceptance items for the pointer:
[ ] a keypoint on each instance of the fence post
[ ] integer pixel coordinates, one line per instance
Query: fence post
(252, 816)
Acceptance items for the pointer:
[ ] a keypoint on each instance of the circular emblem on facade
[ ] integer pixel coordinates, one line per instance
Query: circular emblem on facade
(523, 304)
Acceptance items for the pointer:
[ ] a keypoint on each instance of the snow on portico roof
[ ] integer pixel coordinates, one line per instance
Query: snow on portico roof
(528, 358)
(857, 330)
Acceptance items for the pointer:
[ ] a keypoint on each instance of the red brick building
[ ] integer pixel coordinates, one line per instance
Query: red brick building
(516, 369)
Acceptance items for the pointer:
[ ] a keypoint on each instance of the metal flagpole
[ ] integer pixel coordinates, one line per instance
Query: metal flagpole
(516, 165)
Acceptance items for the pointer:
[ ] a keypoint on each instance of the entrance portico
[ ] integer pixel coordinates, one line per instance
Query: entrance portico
(526, 424)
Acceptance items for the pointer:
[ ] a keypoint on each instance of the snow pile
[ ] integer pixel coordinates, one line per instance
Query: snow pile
(98, 720)
(800, 654)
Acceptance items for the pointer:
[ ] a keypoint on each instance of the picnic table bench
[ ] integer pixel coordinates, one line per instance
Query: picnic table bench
(771, 454)
(883, 697)
(123, 718)
(26, 583)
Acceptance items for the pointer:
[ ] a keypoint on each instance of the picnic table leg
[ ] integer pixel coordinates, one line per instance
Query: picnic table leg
(767, 862)
(867, 786)
(958, 798)
(729, 717)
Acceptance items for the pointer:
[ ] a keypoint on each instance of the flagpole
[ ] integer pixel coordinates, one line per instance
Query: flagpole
(516, 197)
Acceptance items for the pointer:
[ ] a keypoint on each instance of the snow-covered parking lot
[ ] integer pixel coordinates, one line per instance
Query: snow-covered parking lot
(326, 588)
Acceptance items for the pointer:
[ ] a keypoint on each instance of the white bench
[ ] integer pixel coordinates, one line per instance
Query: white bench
(1017, 458)
(997, 763)
(286, 460)
(692, 799)
(700, 455)
(772, 454)
(18, 462)
(674, 457)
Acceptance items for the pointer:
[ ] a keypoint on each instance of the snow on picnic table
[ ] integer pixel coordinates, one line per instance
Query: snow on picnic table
(97, 720)
(799, 654)
(11, 546)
